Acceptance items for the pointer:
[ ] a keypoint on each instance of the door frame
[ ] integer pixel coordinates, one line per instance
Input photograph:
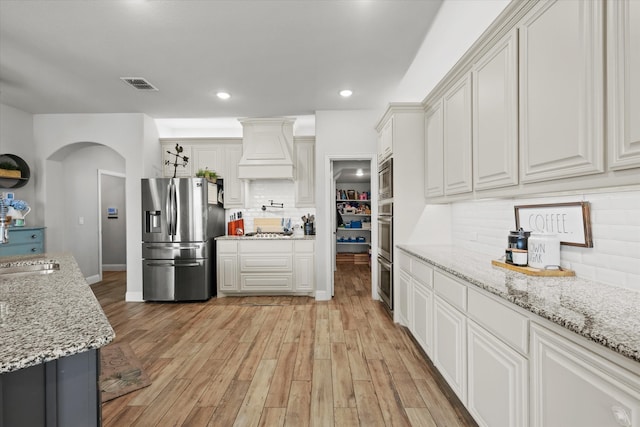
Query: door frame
(330, 223)
(102, 172)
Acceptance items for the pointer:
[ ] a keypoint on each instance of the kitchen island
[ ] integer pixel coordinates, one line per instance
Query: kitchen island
(51, 328)
(519, 349)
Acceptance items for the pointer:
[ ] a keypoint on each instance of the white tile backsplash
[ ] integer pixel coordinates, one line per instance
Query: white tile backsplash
(260, 192)
(615, 223)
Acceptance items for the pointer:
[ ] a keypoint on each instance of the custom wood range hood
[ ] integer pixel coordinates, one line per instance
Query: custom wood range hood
(267, 147)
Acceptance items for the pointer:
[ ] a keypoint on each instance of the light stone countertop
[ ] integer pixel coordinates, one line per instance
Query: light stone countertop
(608, 315)
(48, 316)
(292, 237)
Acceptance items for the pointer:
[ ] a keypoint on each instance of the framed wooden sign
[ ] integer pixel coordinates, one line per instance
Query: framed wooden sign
(571, 221)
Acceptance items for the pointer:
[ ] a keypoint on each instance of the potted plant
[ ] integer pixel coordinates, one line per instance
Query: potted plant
(200, 173)
(210, 175)
(9, 170)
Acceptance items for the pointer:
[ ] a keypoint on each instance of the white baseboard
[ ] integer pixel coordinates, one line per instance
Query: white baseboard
(93, 279)
(323, 296)
(133, 297)
(114, 267)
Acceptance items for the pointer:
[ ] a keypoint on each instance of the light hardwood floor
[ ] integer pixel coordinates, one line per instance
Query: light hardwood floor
(275, 361)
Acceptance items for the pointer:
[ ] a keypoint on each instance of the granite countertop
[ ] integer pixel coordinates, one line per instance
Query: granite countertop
(292, 237)
(48, 316)
(606, 314)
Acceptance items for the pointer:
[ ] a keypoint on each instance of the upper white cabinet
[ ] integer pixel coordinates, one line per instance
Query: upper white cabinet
(219, 155)
(385, 141)
(305, 160)
(434, 151)
(623, 72)
(495, 116)
(561, 90)
(457, 138)
(575, 387)
(233, 186)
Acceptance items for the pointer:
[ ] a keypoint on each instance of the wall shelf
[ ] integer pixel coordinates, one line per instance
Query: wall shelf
(22, 166)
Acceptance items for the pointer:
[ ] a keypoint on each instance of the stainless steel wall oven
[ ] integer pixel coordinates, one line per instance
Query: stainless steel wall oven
(385, 253)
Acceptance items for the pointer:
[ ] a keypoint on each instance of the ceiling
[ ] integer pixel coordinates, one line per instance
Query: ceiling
(275, 58)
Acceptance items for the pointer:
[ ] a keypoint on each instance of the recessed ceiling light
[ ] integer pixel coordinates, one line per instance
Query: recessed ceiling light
(359, 172)
(345, 93)
(223, 95)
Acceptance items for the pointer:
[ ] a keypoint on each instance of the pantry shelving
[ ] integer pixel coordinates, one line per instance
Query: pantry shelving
(354, 234)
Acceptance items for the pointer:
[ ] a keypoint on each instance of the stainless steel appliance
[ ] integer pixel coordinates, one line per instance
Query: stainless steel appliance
(178, 246)
(385, 253)
(385, 179)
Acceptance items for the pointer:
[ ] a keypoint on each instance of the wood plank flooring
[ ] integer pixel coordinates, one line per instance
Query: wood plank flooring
(275, 361)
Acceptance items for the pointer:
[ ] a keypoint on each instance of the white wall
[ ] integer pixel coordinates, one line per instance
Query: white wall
(338, 133)
(457, 26)
(114, 230)
(133, 136)
(16, 137)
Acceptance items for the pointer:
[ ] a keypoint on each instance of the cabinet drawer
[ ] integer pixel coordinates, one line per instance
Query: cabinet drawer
(306, 246)
(451, 290)
(422, 273)
(266, 282)
(265, 246)
(24, 249)
(404, 262)
(25, 236)
(256, 263)
(508, 325)
(226, 247)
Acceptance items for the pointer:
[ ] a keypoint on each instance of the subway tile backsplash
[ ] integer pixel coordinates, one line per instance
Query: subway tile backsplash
(615, 222)
(260, 192)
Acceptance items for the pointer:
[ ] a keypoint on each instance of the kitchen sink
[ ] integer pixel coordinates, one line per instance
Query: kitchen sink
(28, 267)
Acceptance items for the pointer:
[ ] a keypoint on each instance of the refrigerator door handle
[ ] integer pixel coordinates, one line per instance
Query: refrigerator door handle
(172, 264)
(181, 248)
(171, 209)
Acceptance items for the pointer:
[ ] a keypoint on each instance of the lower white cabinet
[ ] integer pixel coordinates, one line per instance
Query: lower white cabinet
(227, 266)
(401, 305)
(450, 346)
(265, 266)
(422, 316)
(497, 381)
(304, 265)
(572, 386)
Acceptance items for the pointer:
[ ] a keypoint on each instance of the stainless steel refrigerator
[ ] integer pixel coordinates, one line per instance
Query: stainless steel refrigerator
(178, 247)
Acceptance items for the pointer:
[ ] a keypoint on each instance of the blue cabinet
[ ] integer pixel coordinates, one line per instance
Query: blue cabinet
(24, 241)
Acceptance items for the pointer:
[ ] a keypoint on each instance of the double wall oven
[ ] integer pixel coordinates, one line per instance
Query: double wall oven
(385, 233)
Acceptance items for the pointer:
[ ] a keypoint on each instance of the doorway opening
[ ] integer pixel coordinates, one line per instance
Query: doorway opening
(112, 230)
(353, 219)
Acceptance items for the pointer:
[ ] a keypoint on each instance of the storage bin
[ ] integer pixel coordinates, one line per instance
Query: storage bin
(356, 224)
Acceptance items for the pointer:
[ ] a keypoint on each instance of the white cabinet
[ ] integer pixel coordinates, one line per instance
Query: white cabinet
(209, 157)
(234, 189)
(623, 73)
(574, 387)
(227, 265)
(457, 138)
(421, 309)
(495, 116)
(450, 346)
(401, 304)
(561, 90)
(434, 152)
(305, 157)
(304, 265)
(169, 158)
(385, 141)
(497, 381)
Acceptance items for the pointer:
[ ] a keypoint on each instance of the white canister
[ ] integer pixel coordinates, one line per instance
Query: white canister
(544, 250)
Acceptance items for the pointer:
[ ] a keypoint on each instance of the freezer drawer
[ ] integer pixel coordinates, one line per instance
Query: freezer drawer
(176, 280)
(181, 251)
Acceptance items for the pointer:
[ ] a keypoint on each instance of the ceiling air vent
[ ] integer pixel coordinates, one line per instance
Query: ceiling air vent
(139, 83)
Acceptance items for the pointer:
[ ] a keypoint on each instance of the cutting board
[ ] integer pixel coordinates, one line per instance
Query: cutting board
(534, 271)
(268, 225)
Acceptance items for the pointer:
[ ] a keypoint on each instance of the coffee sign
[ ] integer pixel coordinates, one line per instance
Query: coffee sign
(570, 221)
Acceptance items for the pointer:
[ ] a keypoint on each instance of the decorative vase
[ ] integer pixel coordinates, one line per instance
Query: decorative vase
(17, 216)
